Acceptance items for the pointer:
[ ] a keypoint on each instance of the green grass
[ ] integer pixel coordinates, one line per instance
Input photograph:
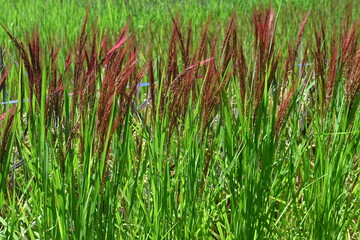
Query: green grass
(227, 148)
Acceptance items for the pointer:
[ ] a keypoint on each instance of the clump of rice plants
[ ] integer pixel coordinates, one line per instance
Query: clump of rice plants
(216, 138)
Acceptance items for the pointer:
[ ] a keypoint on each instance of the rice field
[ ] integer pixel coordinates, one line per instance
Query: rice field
(179, 119)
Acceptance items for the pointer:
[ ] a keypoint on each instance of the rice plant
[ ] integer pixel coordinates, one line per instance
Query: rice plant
(215, 132)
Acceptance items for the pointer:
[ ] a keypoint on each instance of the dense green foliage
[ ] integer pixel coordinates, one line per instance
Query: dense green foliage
(248, 126)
